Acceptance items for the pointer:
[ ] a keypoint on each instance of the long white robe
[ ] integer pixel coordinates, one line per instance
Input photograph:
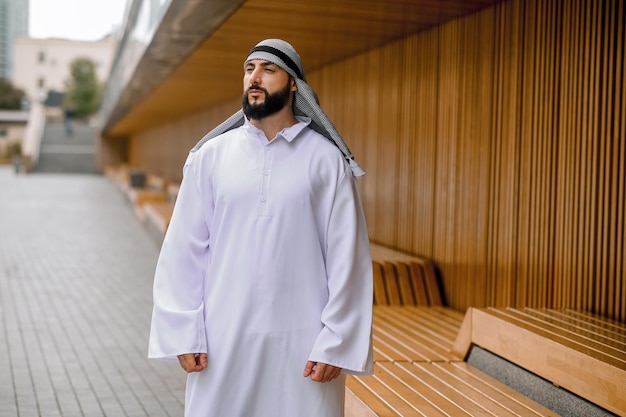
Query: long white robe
(265, 265)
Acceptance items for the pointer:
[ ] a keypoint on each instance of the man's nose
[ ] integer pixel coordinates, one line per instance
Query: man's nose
(255, 77)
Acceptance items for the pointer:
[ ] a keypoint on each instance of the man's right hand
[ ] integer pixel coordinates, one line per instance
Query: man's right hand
(193, 362)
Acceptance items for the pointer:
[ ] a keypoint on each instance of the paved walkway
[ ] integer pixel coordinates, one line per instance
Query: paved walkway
(76, 271)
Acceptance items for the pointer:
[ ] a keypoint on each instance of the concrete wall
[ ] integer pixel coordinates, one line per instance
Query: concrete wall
(41, 65)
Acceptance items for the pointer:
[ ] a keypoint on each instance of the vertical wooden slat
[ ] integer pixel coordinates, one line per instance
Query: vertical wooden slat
(525, 268)
(596, 56)
(603, 161)
(446, 136)
(406, 144)
(388, 70)
(620, 270)
(616, 223)
(564, 190)
(582, 161)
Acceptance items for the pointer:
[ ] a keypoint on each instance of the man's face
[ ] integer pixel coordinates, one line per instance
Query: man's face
(267, 89)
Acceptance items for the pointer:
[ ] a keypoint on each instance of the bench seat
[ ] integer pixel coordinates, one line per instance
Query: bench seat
(403, 279)
(157, 214)
(154, 190)
(407, 389)
(410, 333)
(580, 352)
(417, 372)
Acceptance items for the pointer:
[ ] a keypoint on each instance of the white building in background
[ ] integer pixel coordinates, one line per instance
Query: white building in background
(41, 66)
(13, 22)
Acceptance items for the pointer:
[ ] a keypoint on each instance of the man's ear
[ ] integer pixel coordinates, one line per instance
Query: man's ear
(293, 84)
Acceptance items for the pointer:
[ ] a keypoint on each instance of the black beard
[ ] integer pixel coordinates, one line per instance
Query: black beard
(273, 103)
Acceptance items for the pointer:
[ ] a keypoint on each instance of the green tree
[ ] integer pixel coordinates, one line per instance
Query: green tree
(83, 92)
(11, 97)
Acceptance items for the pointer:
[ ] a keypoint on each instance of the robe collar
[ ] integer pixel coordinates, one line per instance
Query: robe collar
(288, 133)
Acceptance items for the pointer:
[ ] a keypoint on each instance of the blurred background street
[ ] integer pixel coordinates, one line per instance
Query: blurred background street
(76, 271)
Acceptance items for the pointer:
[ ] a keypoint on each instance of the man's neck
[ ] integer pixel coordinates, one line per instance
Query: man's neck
(273, 124)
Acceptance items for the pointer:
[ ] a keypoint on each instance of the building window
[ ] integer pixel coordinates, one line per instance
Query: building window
(3, 133)
(41, 83)
(42, 56)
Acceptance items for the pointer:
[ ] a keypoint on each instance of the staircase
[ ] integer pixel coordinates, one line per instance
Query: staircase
(64, 152)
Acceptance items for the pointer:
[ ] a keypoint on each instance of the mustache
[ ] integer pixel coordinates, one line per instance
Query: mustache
(257, 87)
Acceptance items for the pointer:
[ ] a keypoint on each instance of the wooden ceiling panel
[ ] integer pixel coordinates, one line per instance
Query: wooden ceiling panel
(323, 32)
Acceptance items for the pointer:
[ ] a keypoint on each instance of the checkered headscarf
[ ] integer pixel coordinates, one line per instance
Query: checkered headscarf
(305, 103)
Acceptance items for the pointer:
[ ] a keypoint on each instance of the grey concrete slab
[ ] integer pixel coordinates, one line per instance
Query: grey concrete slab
(76, 271)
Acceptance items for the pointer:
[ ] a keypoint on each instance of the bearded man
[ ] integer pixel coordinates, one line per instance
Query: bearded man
(263, 287)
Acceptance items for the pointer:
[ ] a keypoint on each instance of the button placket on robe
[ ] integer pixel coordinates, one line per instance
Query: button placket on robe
(265, 179)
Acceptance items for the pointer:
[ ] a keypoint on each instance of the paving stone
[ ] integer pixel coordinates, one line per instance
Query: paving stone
(76, 270)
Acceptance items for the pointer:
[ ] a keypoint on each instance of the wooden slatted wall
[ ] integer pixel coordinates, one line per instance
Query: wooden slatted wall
(495, 145)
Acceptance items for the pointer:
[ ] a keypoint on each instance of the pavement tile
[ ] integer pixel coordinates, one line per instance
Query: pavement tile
(76, 270)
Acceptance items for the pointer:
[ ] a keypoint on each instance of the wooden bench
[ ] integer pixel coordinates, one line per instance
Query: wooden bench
(159, 213)
(153, 201)
(577, 351)
(154, 190)
(410, 389)
(118, 174)
(416, 370)
(403, 279)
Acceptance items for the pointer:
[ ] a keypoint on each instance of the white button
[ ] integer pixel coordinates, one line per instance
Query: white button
(266, 172)
(263, 199)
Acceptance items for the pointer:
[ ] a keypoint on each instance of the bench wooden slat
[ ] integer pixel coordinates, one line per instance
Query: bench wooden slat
(393, 394)
(386, 373)
(413, 348)
(430, 281)
(588, 347)
(592, 370)
(408, 279)
(380, 295)
(388, 350)
(391, 284)
(442, 321)
(361, 401)
(473, 402)
(159, 214)
(395, 324)
(607, 338)
(405, 287)
(463, 392)
(456, 315)
(613, 327)
(419, 286)
(495, 390)
(417, 387)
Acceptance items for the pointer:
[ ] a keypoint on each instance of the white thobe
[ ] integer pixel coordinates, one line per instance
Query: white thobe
(266, 265)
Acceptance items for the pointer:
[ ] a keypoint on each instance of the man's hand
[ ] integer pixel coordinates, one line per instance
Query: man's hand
(321, 372)
(193, 362)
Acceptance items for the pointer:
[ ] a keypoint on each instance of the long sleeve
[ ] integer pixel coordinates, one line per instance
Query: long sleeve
(346, 339)
(178, 317)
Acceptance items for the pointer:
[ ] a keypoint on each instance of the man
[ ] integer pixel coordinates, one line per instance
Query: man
(263, 288)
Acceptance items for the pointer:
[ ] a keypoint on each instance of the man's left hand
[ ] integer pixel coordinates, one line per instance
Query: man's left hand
(321, 372)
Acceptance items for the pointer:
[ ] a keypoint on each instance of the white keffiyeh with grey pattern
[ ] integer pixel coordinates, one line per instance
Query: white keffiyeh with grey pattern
(306, 102)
